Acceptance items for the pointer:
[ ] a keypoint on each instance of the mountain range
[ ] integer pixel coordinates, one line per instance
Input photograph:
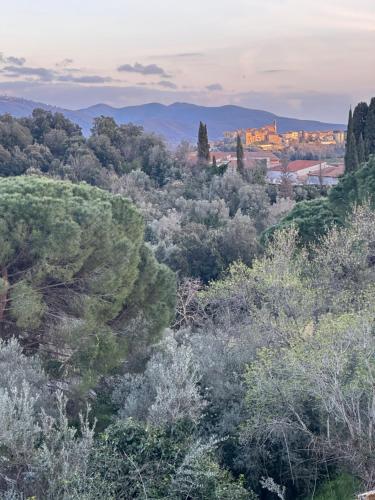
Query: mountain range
(175, 122)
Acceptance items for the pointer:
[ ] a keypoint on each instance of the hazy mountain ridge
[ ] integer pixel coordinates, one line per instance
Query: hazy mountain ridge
(175, 122)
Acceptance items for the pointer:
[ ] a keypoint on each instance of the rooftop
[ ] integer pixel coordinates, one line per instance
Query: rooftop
(295, 166)
(331, 171)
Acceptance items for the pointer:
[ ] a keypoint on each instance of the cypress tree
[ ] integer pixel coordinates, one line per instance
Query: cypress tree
(359, 120)
(369, 135)
(203, 146)
(361, 150)
(207, 146)
(351, 155)
(240, 156)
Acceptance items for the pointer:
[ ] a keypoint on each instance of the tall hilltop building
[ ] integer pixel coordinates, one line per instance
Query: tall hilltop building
(267, 134)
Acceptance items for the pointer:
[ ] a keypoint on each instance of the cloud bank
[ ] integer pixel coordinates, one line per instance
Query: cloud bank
(150, 69)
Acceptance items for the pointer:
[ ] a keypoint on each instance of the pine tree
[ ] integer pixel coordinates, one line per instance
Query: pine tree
(359, 120)
(369, 135)
(240, 156)
(351, 155)
(75, 261)
(203, 146)
(361, 150)
(214, 163)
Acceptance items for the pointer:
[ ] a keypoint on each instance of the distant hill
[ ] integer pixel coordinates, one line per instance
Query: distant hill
(175, 122)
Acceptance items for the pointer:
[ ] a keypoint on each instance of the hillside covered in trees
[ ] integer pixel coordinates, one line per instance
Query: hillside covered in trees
(180, 331)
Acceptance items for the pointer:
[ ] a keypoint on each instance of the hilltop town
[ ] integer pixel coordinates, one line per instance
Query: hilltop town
(295, 157)
(267, 137)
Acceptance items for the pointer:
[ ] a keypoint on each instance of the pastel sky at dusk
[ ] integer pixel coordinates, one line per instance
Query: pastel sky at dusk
(301, 58)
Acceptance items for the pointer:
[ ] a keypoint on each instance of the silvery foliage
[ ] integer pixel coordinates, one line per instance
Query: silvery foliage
(15, 368)
(192, 472)
(167, 391)
(40, 454)
(19, 430)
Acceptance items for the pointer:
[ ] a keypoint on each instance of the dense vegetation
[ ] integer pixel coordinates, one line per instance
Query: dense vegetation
(254, 378)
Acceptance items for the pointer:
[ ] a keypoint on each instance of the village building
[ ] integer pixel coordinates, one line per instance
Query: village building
(265, 134)
(328, 176)
(311, 172)
(251, 158)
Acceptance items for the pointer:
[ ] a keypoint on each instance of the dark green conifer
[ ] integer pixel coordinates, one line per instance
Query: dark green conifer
(361, 150)
(351, 155)
(359, 120)
(203, 145)
(240, 156)
(369, 135)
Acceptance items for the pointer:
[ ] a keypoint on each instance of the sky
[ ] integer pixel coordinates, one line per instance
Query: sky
(300, 58)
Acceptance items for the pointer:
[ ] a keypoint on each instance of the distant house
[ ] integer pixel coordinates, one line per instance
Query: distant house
(329, 176)
(275, 175)
(251, 158)
(269, 158)
(307, 172)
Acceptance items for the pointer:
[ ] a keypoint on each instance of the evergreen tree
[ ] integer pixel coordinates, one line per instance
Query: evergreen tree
(214, 163)
(75, 273)
(359, 120)
(361, 150)
(240, 156)
(203, 145)
(351, 155)
(369, 135)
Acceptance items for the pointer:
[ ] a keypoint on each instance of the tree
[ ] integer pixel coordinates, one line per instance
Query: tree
(351, 155)
(240, 156)
(312, 218)
(57, 142)
(127, 147)
(41, 122)
(13, 133)
(369, 134)
(41, 454)
(361, 147)
(74, 262)
(171, 463)
(108, 155)
(168, 390)
(105, 126)
(359, 120)
(332, 368)
(354, 188)
(196, 253)
(286, 185)
(238, 240)
(203, 145)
